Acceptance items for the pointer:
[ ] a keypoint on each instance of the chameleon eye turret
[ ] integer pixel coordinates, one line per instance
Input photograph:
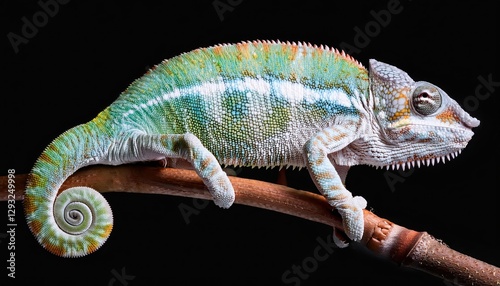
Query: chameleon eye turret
(426, 99)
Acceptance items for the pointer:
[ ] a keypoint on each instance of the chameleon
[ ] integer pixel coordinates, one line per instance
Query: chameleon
(254, 103)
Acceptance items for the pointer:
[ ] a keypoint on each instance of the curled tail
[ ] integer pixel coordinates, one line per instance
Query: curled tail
(78, 220)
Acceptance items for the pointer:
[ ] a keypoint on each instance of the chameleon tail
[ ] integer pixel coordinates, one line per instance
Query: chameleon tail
(78, 220)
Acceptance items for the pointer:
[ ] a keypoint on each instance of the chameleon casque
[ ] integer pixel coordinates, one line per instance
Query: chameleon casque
(258, 104)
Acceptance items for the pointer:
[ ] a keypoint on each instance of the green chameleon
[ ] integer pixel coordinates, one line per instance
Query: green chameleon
(258, 104)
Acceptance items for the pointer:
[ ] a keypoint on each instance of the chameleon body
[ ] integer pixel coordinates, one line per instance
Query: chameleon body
(259, 104)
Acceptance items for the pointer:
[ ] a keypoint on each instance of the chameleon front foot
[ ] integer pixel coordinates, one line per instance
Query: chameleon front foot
(330, 183)
(352, 220)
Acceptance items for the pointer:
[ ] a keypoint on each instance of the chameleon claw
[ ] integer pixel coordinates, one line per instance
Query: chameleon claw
(339, 238)
(352, 217)
(360, 202)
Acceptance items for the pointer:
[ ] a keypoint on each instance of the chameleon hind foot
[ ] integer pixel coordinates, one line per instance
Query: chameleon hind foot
(189, 148)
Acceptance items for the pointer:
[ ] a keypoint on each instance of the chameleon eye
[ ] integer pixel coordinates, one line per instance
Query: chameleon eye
(426, 99)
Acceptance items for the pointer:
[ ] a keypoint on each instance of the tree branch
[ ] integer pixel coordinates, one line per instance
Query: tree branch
(409, 248)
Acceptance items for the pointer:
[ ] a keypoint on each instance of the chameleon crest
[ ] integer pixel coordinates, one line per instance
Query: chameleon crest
(259, 104)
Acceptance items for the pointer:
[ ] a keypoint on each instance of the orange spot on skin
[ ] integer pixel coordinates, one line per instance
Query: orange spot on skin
(107, 230)
(36, 227)
(31, 202)
(319, 161)
(340, 196)
(327, 175)
(205, 163)
(218, 50)
(293, 52)
(248, 73)
(317, 52)
(401, 114)
(265, 46)
(284, 47)
(44, 157)
(339, 137)
(32, 180)
(54, 249)
(448, 116)
(93, 245)
(403, 111)
(244, 50)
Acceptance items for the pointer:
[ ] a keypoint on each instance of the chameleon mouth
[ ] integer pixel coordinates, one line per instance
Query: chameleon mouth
(419, 162)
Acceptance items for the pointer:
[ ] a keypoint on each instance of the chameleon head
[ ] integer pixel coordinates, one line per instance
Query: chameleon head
(417, 122)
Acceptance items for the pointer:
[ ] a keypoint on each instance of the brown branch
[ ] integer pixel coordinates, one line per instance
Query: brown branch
(406, 247)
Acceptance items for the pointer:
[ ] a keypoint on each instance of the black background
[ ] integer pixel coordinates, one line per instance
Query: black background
(83, 56)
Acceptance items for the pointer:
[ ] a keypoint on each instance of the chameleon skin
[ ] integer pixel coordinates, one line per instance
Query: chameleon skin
(258, 104)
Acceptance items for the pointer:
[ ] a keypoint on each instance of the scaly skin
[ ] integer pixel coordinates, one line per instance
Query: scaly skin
(259, 104)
